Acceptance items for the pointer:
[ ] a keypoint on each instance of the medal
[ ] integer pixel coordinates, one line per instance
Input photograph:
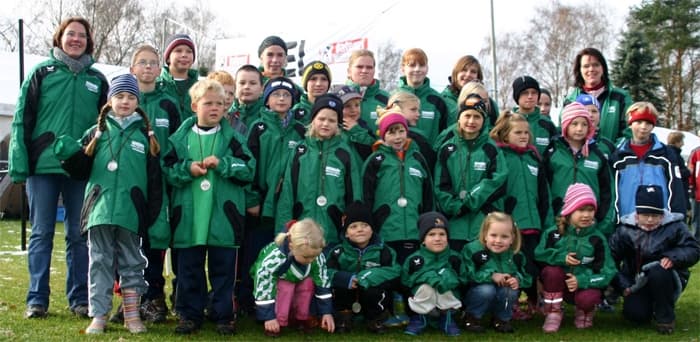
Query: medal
(321, 200)
(356, 307)
(463, 194)
(402, 202)
(112, 165)
(205, 185)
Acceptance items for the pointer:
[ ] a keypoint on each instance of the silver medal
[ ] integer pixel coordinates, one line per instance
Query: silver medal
(356, 307)
(205, 185)
(463, 194)
(402, 202)
(321, 200)
(112, 165)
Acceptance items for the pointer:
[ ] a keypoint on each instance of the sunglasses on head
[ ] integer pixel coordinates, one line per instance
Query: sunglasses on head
(473, 101)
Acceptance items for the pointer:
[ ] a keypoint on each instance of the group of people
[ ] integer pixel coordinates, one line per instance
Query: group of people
(310, 204)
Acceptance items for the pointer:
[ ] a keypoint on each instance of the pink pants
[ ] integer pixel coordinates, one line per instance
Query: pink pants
(294, 297)
(553, 280)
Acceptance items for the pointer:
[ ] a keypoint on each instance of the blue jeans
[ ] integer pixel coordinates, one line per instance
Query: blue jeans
(43, 192)
(484, 298)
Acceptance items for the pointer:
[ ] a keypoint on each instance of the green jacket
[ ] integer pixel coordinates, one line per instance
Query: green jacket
(564, 168)
(481, 263)
(236, 169)
(597, 267)
(248, 113)
(371, 266)
(527, 190)
(319, 168)
(129, 196)
(443, 271)
(386, 179)
(302, 110)
(360, 139)
(470, 182)
(166, 82)
(434, 109)
(614, 103)
(53, 101)
(372, 97)
(542, 129)
(271, 145)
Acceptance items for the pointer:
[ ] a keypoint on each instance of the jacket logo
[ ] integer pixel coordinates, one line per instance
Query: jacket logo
(427, 115)
(379, 157)
(261, 126)
(91, 86)
(480, 166)
(484, 256)
(451, 148)
(417, 261)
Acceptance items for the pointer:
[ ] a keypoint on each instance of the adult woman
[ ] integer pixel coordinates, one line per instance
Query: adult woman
(591, 77)
(467, 69)
(62, 95)
(361, 69)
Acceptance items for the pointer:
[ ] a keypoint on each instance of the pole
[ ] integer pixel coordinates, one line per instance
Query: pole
(493, 56)
(23, 195)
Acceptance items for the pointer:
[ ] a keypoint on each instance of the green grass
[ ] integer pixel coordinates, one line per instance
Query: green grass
(61, 325)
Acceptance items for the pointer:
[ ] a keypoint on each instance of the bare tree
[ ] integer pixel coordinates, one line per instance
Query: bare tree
(509, 54)
(388, 65)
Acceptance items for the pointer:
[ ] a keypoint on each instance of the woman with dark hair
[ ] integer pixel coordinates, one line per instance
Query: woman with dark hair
(591, 77)
(61, 96)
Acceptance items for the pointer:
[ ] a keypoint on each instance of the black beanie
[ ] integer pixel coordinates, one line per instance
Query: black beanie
(174, 41)
(279, 83)
(649, 200)
(431, 220)
(328, 100)
(524, 82)
(313, 68)
(357, 212)
(270, 41)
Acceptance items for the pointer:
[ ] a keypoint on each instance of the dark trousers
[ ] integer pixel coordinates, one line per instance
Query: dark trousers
(655, 300)
(259, 233)
(374, 300)
(529, 243)
(192, 291)
(403, 249)
(154, 274)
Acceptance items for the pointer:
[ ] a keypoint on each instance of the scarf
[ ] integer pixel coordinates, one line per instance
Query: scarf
(75, 65)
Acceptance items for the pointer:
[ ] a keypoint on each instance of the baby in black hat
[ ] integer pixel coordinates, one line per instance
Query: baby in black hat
(655, 249)
(362, 269)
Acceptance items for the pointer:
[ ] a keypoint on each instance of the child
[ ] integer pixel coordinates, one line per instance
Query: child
(248, 101)
(287, 273)
(356, 131)
(322, 175)
(207, 166)
(577, 261)
(122, 163)
(433, 275)
(526, 93)
(362, 270)
(644, 157)
(178, 76)
(470, 175)
(545, 102)
(408, 105)
(527, 194)
(316, 81)
(472, 87)
(229, 85)
(574, 158)
(593, 106)
(497, 270)
(655, 250)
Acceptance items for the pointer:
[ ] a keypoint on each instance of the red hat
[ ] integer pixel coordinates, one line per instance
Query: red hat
(390, 119)
(643, 113)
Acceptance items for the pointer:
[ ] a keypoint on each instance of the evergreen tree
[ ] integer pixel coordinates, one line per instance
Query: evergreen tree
(636, 69)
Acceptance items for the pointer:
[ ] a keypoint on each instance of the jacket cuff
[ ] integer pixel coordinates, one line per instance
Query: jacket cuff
(324, 300)
(265, 312)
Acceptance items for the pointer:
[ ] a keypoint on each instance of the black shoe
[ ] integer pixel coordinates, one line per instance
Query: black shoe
(665, 328)
(228, 328)
(503, 326)
(154, 310)
(473, 324)
(186, 327)
(80, 310)
(35, 311)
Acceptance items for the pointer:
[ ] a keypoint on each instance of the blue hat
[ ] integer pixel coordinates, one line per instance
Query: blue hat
(586, 100)
(124, 83)
(649, 200)
(279, 83)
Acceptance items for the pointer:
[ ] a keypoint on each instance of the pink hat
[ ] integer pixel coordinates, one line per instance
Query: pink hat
(572, 111)
(577, 196)
(390, 119)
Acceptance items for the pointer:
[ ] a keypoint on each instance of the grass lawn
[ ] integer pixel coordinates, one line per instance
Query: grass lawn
(61, 325)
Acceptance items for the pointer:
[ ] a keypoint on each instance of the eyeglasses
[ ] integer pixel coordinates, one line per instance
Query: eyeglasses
(144, 63)
(283, 94)
(473, 101)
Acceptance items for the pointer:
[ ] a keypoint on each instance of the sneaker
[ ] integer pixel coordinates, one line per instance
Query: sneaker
(80, 310)
(396, 321)
(118, 316)
(228, 328)
(416, 325)
(448, 324)
(154, 310)
(665, 328)
(186, 327)
(35, 311)
(502, 326)
(473, 324)
(605, 306)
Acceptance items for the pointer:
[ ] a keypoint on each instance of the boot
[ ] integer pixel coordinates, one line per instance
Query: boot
(416, 325)
(118, 316)
(97, 326)
(589, 319)
(579, 318)
(473, 324)
(448, 324)
(553, 312)
(343, 321)
(132, 317)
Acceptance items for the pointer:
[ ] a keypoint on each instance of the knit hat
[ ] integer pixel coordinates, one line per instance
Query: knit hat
(124, 83)
(522, 83)
(431, 220)
(270, 41)
(174, 41)
(577, 196)
(643, 113)
(346, 93)
(588, 100)
(279, 83)
(649, 200)
(357, 212)
(328, 100)
(475, 102)
(572, 111)
(389, 119)
(313, 68)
